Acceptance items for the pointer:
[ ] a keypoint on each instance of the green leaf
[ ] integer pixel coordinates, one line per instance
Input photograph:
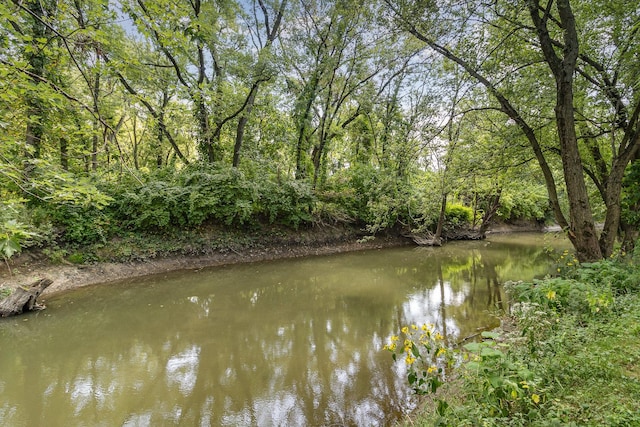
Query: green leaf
(491, 352)
(415, 351)
(9, 247)
(488, 334)
(473, 346)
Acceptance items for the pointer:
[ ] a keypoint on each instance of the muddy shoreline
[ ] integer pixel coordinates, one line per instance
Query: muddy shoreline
(69, 276)
(29, 267)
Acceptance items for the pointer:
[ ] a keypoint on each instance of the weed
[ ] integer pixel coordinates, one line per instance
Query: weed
(572, 359)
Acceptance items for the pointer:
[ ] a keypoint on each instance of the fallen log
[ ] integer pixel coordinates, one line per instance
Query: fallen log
(24, 298)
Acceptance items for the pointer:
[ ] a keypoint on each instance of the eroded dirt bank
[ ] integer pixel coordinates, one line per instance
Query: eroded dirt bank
(263, 245)
(31, 267)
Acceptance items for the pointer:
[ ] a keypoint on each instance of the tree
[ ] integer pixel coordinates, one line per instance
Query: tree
(336, 55)
(261, 72)
(518, 37)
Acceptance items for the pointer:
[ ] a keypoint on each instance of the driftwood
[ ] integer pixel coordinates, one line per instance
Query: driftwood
(24, 299)
(424, 239)
(429, 239)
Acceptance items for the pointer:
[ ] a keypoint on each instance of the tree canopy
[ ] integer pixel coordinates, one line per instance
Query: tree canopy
(152, 114)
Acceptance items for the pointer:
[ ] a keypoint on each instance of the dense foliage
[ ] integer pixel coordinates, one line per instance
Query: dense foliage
(152, 115)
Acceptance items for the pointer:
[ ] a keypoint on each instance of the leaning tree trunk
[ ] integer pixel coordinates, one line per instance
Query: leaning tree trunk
(582, 232)
(443, 208)
(23, 298)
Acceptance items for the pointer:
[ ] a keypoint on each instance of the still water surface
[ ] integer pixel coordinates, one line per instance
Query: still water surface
(286, 343)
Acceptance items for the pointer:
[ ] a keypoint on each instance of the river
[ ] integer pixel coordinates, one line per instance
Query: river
(294, 342)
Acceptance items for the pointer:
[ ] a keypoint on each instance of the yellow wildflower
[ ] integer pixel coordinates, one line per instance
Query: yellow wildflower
(438, 336)
(405, 330)
(394, 338)
(409, 359)
(535, 398)
(431, 369)
(408, 344)
(551, 295)
(441, 351)
(414, 327)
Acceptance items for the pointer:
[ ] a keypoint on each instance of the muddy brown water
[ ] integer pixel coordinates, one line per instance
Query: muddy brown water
(284, 343)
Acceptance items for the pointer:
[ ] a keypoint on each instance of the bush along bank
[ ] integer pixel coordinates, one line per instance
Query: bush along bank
(80, 219)
(568, 355)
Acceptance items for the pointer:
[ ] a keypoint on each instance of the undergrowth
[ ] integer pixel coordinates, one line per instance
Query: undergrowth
(572, 358)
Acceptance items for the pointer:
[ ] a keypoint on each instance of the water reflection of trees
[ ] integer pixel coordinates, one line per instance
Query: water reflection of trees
(260, 345)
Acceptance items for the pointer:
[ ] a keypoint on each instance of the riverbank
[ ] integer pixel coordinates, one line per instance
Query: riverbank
(136, 256)
(568, 355)
(209, 248)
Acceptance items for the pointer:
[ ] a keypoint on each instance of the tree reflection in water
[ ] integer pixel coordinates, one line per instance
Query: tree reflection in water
(295, 342)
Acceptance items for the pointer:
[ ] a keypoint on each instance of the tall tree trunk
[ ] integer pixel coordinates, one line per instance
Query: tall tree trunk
(159, 137)
(613, 209)
(272, 33)
(37, 59)
(242, 123)
(613, 222)
(96, 122)
(582, 231)
(443, 207)
(631, 229)
(303, 124)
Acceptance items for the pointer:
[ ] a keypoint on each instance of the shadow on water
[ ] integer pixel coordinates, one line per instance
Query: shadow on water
(292, 342)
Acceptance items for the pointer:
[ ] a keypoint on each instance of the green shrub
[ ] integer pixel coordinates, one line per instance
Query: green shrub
(14, 234)
(68, 207)
(457, 215)
(80, 225)
(195, 195)
(349, 193)
(220, 193)
(154, 205)
(288, 203)
(527, 201)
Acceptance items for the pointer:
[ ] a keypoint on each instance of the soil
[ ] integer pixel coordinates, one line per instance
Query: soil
(32, 266)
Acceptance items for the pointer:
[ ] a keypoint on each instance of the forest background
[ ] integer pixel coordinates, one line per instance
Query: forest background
(164, 118)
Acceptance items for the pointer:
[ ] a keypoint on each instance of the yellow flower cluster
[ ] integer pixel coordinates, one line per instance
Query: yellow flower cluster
(392, 345)
(433, 341)
(571, 259)
(425, 354)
